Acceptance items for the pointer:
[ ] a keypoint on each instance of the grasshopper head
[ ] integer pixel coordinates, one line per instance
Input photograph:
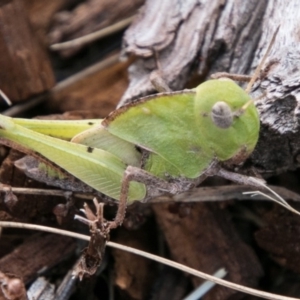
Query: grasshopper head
(226, 132)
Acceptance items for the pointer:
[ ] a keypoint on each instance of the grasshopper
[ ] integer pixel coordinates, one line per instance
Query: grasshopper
(195, 131)
(165, 143)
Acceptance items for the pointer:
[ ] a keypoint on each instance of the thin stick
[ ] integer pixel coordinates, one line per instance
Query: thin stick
(222, 193)
(201, 194)
(105, 63)
(19, 108)
(153, 257)
(91, 37)
(279, 199)
(5, 98)
(44, 192)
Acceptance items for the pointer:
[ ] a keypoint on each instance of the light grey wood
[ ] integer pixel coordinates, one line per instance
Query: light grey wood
(216, 33)
(279, 143)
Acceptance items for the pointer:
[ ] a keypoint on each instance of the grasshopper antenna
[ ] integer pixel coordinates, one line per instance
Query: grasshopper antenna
(5, 98)
(258, 69)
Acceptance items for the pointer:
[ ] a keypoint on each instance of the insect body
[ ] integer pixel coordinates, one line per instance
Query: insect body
(182, 133)
(185, 131)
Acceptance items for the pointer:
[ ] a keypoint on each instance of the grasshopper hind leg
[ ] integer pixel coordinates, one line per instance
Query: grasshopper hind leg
(155, 187)
(139, 175)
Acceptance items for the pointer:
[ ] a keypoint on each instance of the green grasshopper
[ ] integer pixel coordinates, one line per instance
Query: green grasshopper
(192, 131)
(165, 143)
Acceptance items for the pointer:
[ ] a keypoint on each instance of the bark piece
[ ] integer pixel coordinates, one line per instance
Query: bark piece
(24, 208)
(281, 238)
(88, 17)
(134, 275)
(41, 14)
(171, 284)
(98, 92)
(9, 174)
(25, 67)
(205, 239)
(36, 253)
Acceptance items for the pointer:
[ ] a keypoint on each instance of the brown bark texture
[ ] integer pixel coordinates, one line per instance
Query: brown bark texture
(88, 17)
(25, 66)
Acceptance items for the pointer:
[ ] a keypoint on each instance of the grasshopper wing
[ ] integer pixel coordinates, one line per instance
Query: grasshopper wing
(165, 125)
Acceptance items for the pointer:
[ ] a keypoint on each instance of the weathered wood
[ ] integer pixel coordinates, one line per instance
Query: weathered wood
(36, 253)
(280, 238)
(97, 90)
(25, 68)
(279, 144)
(205, 239)
(41, 14)
(226, 36)
(190, 34)
(134, 275)
(19, 208)
(88, 17)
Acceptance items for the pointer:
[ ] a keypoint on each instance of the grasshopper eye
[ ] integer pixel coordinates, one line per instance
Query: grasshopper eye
(221, 115)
